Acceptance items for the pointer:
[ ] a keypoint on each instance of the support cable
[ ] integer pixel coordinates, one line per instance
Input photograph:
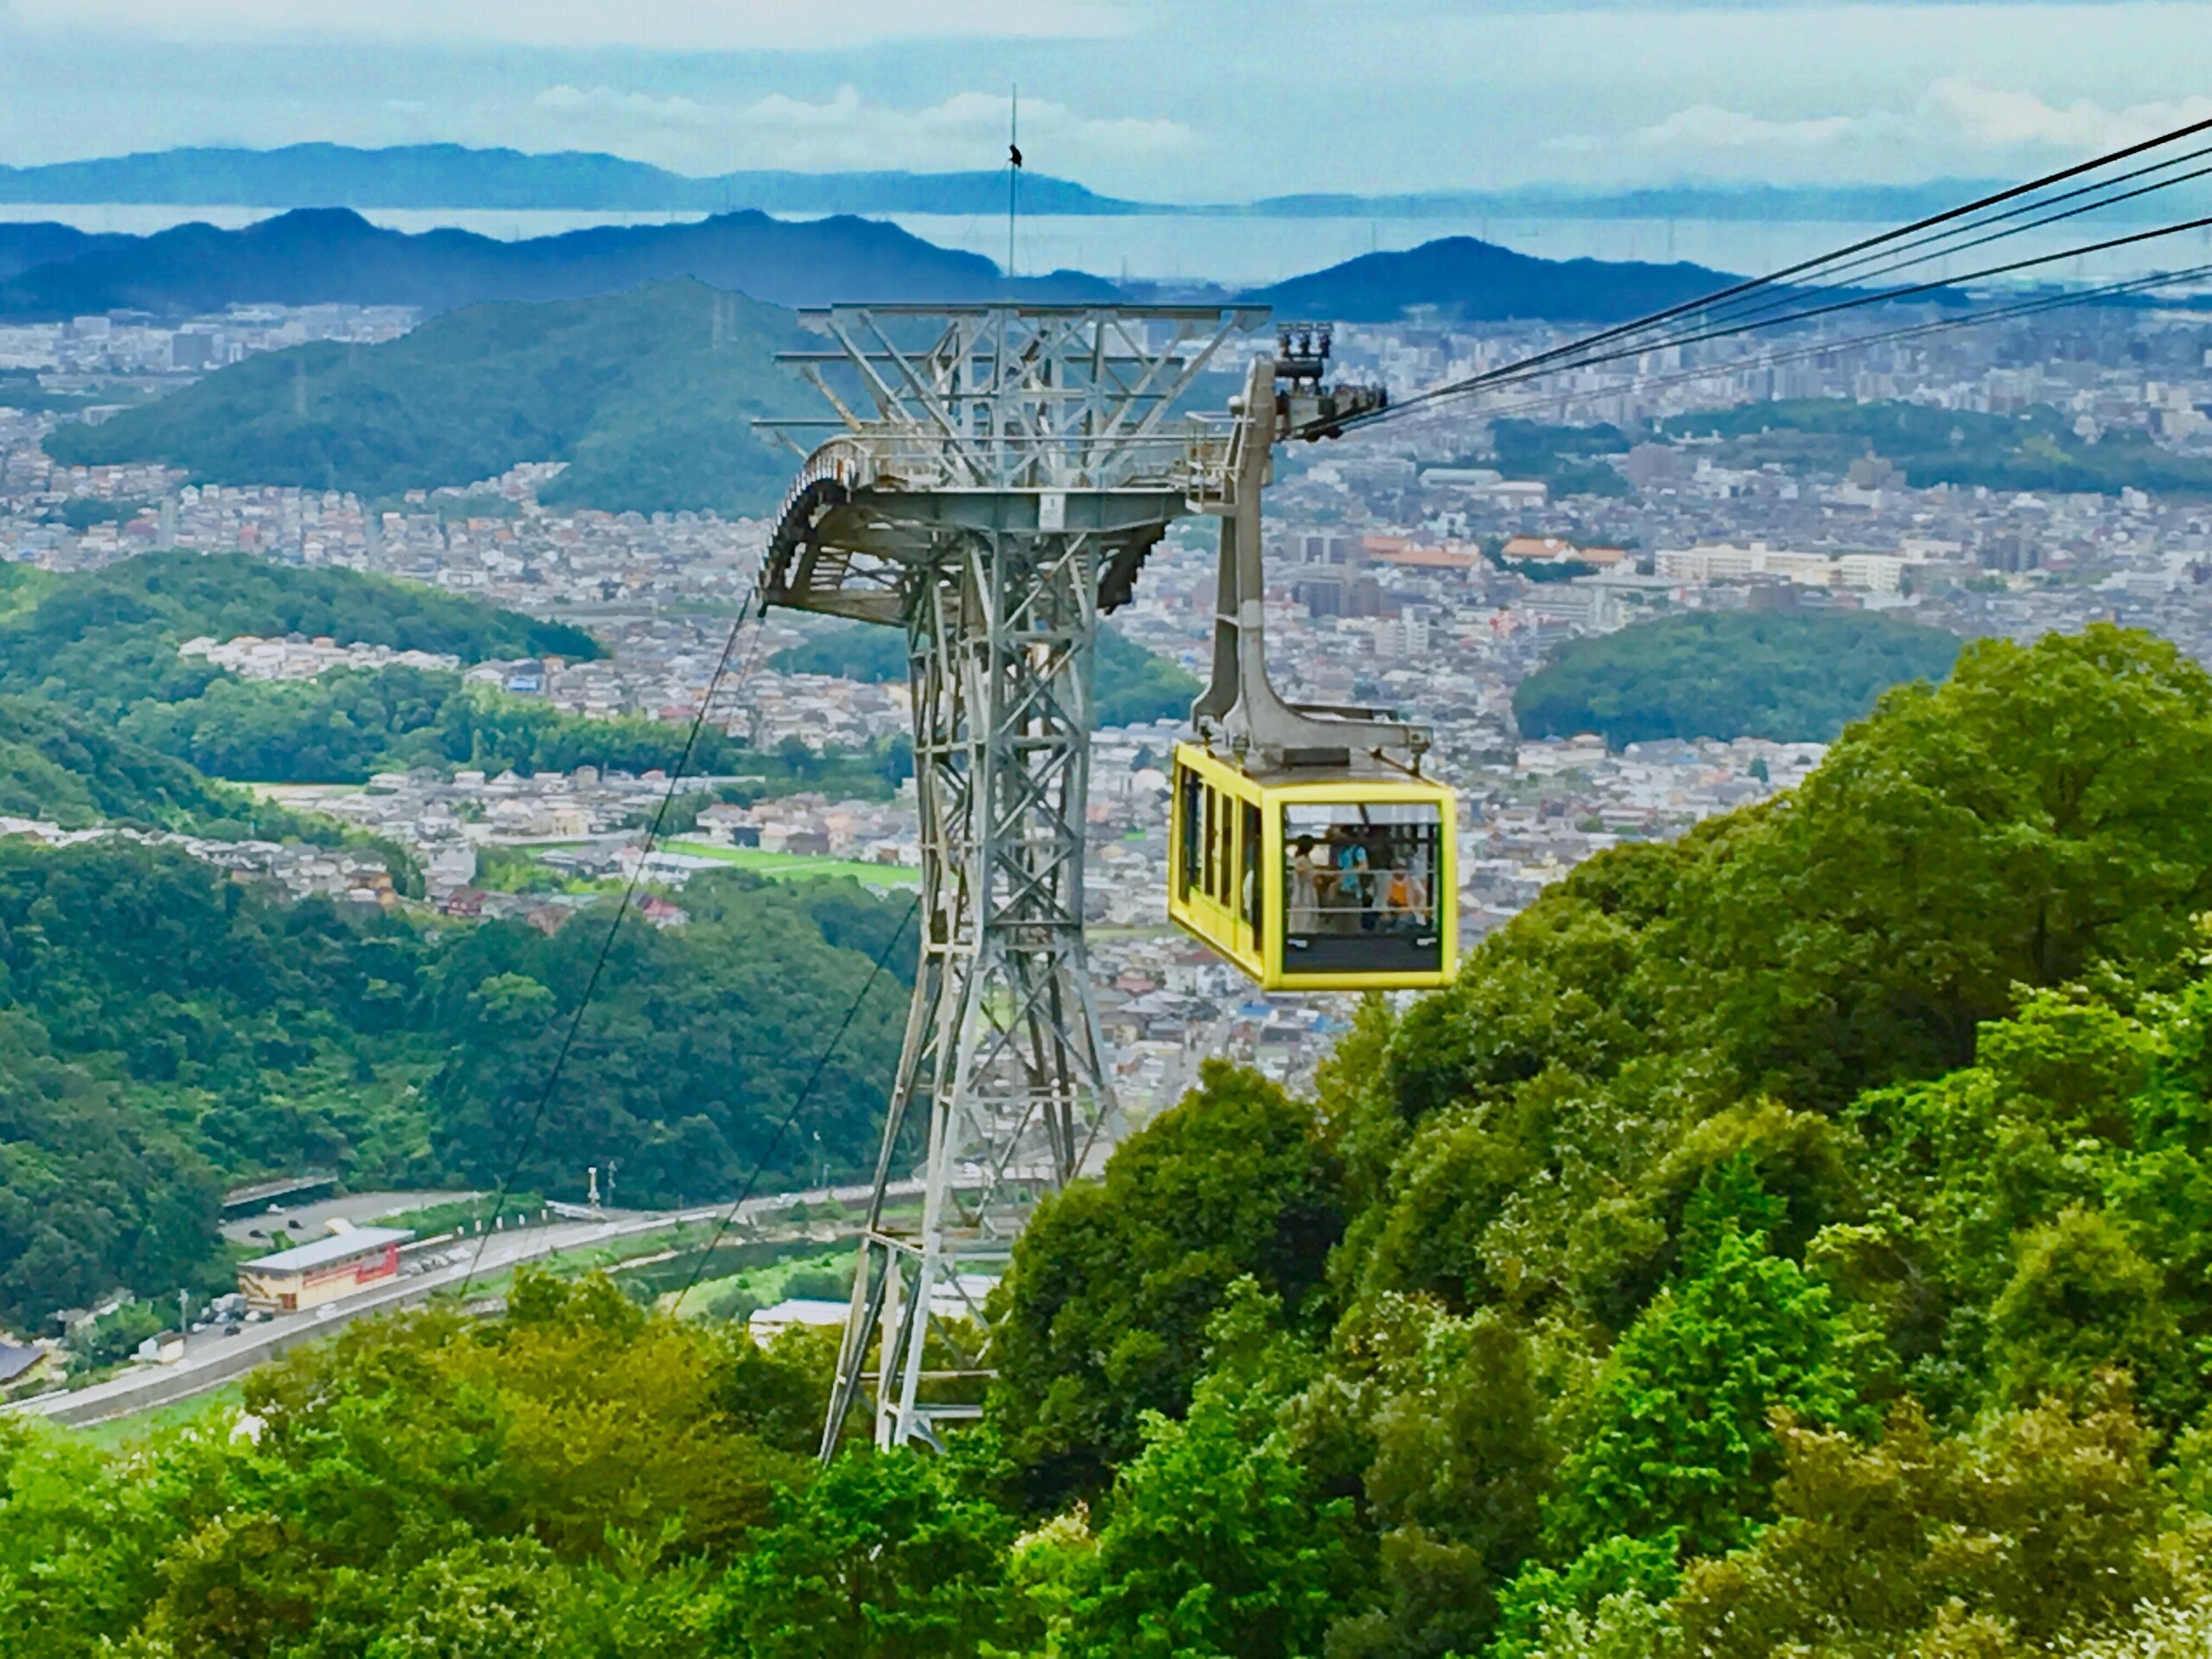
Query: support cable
(1717, 303)
(1859, 342)
(529, 1143)
(799, 1102)
(1520, 374)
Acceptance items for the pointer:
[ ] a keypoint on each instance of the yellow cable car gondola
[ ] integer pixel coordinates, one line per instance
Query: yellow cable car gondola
(1334, 883)
(1300, 849)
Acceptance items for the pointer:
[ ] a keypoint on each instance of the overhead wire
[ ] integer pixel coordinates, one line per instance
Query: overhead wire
(1787, 295)
(527, 1144)
(1858, 342)
(799, 1103)
(1516, 374)
(1695, 316)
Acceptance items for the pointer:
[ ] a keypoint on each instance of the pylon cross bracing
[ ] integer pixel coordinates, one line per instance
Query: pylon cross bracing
(991, 479)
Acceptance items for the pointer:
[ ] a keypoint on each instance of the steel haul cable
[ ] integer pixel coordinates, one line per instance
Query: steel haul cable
(1578, 352)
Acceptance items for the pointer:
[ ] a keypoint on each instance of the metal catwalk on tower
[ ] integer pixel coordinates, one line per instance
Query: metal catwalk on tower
(992, 479)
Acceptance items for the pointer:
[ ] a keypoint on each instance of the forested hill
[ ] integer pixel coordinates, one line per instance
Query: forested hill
(48, 621)
(322, 255)
(165, 1032)
(63, 767)
(105, 642)
(1789, 1241)
(649, 395)
(2038, 449)
(1480, 281)
(1792, 676)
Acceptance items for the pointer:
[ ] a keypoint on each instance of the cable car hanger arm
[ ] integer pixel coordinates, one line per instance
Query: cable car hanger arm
(1241, 704)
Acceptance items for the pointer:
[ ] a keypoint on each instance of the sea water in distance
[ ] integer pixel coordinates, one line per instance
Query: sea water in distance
(1243, 251)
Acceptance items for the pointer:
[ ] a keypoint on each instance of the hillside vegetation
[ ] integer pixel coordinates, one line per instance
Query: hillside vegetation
(1791, 675)
(649, 395)
(1787, 1242)
(59, 765)
(165, 1032)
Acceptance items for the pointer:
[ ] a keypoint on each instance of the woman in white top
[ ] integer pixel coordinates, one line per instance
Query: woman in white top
(1305, 889)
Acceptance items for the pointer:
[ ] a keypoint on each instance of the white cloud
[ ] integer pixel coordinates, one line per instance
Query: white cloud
(846, 130)
(1998, 120)
(1956, 122)
(650, 25)
(1708, 126)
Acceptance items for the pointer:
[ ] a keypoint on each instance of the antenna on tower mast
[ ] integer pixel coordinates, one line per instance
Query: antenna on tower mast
(1012, 174)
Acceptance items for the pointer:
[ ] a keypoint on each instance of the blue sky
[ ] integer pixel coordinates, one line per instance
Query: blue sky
(1173, 100)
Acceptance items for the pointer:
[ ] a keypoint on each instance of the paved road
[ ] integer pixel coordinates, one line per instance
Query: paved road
(211, 1359)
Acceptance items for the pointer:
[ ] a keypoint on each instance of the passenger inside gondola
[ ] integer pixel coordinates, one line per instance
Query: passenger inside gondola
(1359, 888)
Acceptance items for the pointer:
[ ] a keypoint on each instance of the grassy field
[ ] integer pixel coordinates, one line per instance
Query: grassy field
(797, 866)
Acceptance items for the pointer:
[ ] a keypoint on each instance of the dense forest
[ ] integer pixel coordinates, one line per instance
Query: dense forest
(164, 1031)
(1791, 675)
(1789, 1241)
(1132, 686)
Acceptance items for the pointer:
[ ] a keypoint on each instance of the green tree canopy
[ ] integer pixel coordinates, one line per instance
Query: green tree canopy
(1791, 675)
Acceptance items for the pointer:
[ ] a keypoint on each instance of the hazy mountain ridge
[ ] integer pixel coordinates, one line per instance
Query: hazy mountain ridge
(454, 175)
(428, 176)
(1475, 281)
(317, 256)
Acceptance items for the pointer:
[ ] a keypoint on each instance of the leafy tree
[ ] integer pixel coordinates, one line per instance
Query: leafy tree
(883, 1557)
(2044, 812)
(1607, 1600)
(1215, 1542)
(1114, 1283)
(2042, 1525)
(1457, 1445)
(1678, 1435)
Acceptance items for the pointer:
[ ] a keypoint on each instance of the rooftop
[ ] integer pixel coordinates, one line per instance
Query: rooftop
(326, 1252)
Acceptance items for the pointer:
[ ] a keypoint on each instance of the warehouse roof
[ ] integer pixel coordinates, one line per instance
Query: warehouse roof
(327, 1252)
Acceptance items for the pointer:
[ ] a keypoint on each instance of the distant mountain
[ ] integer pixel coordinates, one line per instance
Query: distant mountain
(314, 256)
(649, 395)
(23, 246)
(452, 175)
(431, 176)
(1469, 280)
(1859, 204)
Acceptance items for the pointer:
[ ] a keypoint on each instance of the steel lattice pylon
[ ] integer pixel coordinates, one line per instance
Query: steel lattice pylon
(1014, 466)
